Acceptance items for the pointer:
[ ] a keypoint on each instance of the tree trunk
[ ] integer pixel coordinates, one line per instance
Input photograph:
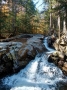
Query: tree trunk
(64, 26)
(59, 26)
(14, 17)
(50, 22)
(50, 16)
(0, 17)
(66, 22)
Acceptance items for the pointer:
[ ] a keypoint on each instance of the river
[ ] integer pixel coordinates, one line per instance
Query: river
(39, 74)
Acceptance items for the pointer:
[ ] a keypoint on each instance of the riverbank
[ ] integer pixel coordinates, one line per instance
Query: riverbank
(59, 57)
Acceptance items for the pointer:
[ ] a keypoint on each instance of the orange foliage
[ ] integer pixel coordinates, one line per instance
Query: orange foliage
(5, 9)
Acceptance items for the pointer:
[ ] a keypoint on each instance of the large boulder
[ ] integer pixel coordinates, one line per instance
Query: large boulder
(32, 47)
(61, 43)
(51, 40)
(17, 53)
(59, 59)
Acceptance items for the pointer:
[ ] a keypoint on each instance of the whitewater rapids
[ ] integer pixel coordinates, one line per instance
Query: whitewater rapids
(39, 74)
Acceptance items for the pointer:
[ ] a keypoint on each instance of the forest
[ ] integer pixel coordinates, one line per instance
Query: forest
(21, 16)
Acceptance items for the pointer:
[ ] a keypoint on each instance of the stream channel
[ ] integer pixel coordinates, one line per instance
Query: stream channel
(39, 74)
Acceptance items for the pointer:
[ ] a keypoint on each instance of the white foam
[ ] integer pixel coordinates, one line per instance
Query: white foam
(26, 88)
(37, 75)
(47, 47)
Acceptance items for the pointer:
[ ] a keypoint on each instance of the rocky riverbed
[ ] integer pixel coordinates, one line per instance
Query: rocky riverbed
(16, 52)
(59, 57)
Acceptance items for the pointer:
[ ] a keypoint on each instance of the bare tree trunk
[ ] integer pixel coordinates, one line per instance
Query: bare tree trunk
(0, 16)
(14, 16)
(66, 22)
(50, 16)
(59, 26)
(50, 22)
(64, 26)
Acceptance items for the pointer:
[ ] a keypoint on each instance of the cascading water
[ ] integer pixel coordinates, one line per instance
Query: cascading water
(46, 44)
(50, 50)
(39, 74)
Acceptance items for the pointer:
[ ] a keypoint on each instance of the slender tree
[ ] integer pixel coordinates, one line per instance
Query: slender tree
(62, 7)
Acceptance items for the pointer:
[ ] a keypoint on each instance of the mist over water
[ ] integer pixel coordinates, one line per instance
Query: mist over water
(39, 74)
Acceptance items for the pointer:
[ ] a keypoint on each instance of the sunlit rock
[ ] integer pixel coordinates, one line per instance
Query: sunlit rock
(56, 44)
(33, 46)
(65, 64)
(60, 63)
(64, 68)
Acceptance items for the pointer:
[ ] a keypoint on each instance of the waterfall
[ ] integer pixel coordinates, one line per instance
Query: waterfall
(39, 74)
(47, 47)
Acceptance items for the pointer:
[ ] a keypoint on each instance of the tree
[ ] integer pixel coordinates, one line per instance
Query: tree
(51, 16)
(2, 19)
(62, 7)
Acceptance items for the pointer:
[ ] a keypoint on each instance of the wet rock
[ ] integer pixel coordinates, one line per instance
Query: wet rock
(64, 68)
(50, 59)
(33, 46)
(18, 54)
(54, 59)
(60, 44)
(60, 63)
(51, 40)
(65, 65)
(65, 57)
(60, 60)
(56, 44)
(61, 47)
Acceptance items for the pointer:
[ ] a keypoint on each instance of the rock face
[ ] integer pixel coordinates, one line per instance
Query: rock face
(60, 56)
(51, 40)
(61, 44)
(17, 53)
(59, 59)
